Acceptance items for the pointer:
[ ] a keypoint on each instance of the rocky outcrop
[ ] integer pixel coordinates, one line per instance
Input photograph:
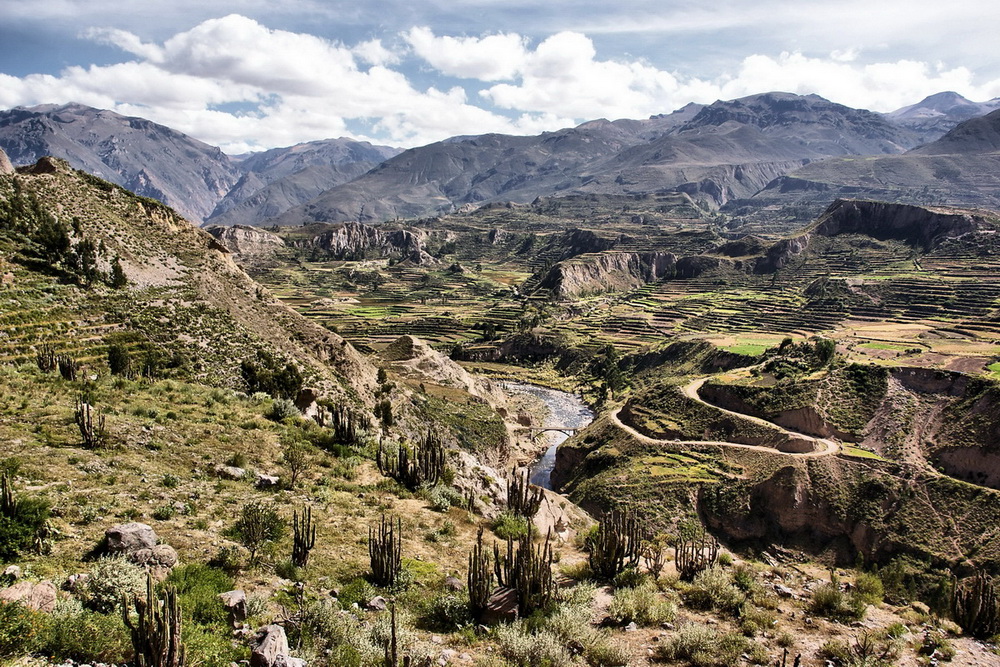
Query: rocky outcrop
(127, 538)
(246, 241)
(38, 596)
(5, 166)
(922, 226)
(781, 253)
(355, 240)
(411, 356)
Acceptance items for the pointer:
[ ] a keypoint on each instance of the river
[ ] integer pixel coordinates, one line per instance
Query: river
(565, 409)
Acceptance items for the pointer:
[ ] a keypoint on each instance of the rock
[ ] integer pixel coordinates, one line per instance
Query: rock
(282, 660)
(126, 538)
(269, 642)
(454, 584)
(11, 574)
(5, 166)
(235, 603)
(377, 603)
(75, 581)
(229, 472)
(632, 627)
(920, 608)
(501, 607)
(335, 593)
(161, 556)
(784, 591)
(267, 481)
(39, 596)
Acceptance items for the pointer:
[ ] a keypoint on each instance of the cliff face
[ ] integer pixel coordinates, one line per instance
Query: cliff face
(355, 239)
(608, 272)
(246, 241)
(5, 166)
(918, 225)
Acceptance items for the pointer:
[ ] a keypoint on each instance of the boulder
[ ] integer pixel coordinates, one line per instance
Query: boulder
(126, 538)
(161, 556)
(11, 574)
(377, 603)
(229, 472)
(268, 481)
(40, 596)
(235, 603)
(269, 643)
(5, 166)
(501, 607)
(454, 584)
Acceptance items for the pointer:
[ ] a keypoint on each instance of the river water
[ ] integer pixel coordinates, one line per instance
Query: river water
(565, 409)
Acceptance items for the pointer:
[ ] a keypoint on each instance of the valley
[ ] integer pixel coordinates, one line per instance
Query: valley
(775, 418)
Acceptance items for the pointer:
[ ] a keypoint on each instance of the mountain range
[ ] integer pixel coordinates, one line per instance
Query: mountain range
(727, 152)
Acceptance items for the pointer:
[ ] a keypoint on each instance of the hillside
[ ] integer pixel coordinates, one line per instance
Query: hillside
(715, 153)
(937, 114)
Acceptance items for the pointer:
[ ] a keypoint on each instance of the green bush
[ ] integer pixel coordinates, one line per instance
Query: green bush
(282, 409)
(448, 612)
(86, 636)
(208, 648)
(110, 580)
(198, 588)
(18, 528)
(542, 649)
(507, 525)
(286, 569)
(630, 578)
(258, 527)
(713, 589)
(704, 646)
(19, 630)
(868, 588)
(829, 601)
(357, 591)
(642, 605)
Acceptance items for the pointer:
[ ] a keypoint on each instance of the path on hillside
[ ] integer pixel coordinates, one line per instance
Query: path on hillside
(826, 447)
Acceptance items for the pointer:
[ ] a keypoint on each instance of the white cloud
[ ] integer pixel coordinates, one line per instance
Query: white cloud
(489, 58)
(374, 53)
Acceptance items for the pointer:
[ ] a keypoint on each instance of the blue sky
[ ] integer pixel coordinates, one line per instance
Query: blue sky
(254, 74)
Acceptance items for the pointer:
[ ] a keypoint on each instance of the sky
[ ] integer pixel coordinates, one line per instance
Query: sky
(248, 75)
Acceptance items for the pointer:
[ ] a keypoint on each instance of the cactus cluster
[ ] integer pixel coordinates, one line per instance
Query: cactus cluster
(523, 499)
(975, 607)
(480, 578)
(694, 556)
(92, 431)
(616, 546)
(527, 570)
(303, 537)
(45, 358)
(421, 465)
(156, 632)
(68, 367)
(385, 551)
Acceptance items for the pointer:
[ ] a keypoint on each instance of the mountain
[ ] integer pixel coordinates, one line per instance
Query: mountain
(276, 180)
(149, 159)
(961, 168)
(713, 153)
(936, 115)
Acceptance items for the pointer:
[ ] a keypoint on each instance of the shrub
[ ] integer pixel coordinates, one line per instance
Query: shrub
(163, 513)
(703, 646)
(448, 612)
(110, 580)
(19, 629)
(198, 588)
(629, 578)
(542, 649)
(829, 601)
(642, 605)
(286, 569)
(21, 521)
(755, 621)
(326, 628)
(258, 527)
(868, 588)
(508, 526)
(203, 646)
(357, 591)
(282, 409)
(86, 636)
(713, 589)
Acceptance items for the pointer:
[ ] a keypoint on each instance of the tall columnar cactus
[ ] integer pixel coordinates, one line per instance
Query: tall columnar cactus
(523, 499)
(156, 633)
(527, 570)
(8, 501)
(45, 358)
(480, 578)
(975, 607)
(385, 545)
(694, 556)
(617, 545)
(303, 537)
(92, 431)
(68, 367)
(421, 465)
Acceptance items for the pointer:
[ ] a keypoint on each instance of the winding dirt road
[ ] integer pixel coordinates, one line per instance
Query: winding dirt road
(822, 446)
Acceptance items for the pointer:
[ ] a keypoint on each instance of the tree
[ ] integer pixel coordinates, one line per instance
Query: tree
(296, 458)
(258, 527)
(118, 279)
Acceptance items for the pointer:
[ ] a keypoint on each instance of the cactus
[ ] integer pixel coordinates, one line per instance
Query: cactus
(303, 537)
(45, 358)
(420, 466)
(974, 606)
(392, 646)
(385, 551)
(93, 433)
(616, 546)
(8, 501)
(694, 556)
(156, 633)
(523, 499)
(480, 578)
(527, 570)
(68, 367)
